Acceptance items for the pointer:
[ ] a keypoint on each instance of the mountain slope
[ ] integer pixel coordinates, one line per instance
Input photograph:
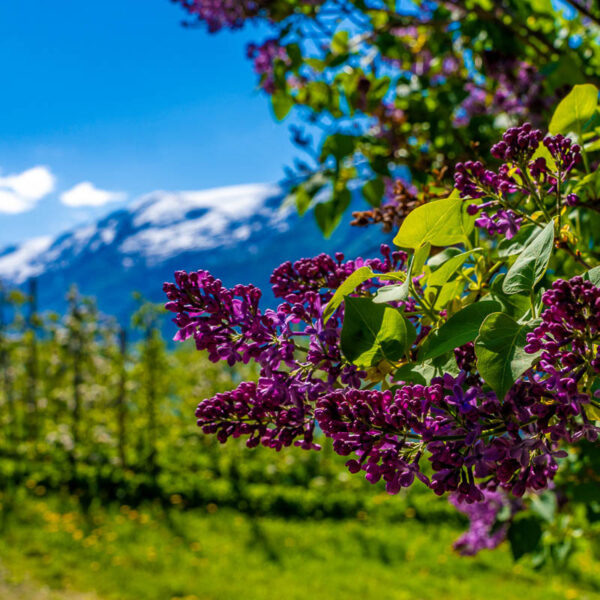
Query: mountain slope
(238, 233)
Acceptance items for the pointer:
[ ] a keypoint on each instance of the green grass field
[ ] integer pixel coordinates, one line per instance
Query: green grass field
(157, 554)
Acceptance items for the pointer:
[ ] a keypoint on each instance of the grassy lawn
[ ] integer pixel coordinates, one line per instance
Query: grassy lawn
(153, 554)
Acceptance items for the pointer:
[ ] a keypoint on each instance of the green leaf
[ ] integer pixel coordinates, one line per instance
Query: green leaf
(592, 146)
(374, 332)
(329, 214)
(350, 284)
(575, 110)
(441, 223)
(419, 260)
(373, 191)
(282, 104)
(515, 305)
(436, 261)
(339, 42)
(424, 372)
(501, 358)
(593, 275)
(304, 194)
(315, 63)
(391, 293)
(518, 242)
(338, 145)
(441, 275)
(592, 412)
(399, 293)
(302, 199)
(294, 53)
(542, 6)
(544, 506)
(524, 535)
(531, 264)
(452, 289)
(460, 329)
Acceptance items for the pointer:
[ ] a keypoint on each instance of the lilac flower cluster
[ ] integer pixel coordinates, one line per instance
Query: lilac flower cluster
(566, 154)
(231, 14)
(267, 413)
(518, 144)
(265, 56)
(518, 91)
(483, 534)
(520, 173)
(502, 222)
(230, 326)
(324, 274)
(473, 441)
(568, 339)
(220, 14)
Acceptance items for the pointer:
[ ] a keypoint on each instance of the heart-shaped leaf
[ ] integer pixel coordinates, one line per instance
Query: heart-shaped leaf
(441, 223)
(374, 332)
(531, 264)
(501, 358)
(459, 329)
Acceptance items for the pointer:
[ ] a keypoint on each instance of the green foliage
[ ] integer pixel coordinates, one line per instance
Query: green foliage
(282, 105)
(386, 86)
(373, 191)
(372, 333)
(423, 372)
(593, 275)
(458, 330)
(444, 272)
(329, 213)
(499, 347)
(440, 223)
(524, 535)
(516, 244)
(399, 293)
(575, 110)
(351, 283)
(531, 263)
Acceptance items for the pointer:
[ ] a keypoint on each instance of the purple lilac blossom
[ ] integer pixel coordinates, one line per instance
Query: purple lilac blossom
(484, 533)
(472, 440)
(518, 91)
(568, 339)
(517, 148)
(230, 326)
(230, 14)
(265, 57)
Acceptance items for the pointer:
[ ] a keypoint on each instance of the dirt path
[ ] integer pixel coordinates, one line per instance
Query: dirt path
(31, 590)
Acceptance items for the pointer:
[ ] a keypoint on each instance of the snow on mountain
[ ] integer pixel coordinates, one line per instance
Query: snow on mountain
(21, 262)
(239, 233)
(168, 224)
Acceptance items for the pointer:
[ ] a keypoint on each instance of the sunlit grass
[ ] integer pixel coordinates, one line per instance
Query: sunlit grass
(153, 553)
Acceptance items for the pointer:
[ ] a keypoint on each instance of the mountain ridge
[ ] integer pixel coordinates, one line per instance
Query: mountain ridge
(239, 233)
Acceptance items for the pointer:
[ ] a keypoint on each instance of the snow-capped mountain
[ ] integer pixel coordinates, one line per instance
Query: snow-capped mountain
(238, 233)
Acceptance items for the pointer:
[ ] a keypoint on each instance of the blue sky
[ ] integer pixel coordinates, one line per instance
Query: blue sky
(118, 94)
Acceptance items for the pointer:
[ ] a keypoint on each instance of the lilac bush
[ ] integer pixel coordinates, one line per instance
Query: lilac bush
(467, 360)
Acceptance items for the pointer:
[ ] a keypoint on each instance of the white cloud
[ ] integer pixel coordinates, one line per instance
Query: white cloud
(21, 192)
(86, 194)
